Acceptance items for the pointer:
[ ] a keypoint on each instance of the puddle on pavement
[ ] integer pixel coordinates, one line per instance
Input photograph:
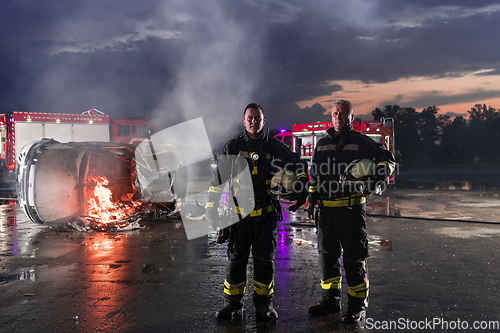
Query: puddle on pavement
(379, 244)
(32, 274)
(23, 274)
(296, 230)
(26, 274)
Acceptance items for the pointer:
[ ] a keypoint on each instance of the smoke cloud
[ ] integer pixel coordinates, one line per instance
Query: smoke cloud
(217, 75)
(172, 60)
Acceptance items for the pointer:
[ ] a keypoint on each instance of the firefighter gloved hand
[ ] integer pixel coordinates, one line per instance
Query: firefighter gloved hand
(302, 195)
(301, 199)
(223, 235)
(378, 179)
(381, 173)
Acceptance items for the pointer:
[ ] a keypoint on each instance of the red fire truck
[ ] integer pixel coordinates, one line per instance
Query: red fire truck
(304, 137)
(19, 128)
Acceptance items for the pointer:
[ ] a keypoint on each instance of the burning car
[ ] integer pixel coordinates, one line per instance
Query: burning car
(104, 184)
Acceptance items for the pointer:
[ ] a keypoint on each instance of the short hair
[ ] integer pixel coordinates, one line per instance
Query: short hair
(253, 106)
(343, 102)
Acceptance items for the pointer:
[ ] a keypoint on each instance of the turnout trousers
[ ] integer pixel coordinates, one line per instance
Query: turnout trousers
(258, 238)
(342, 233)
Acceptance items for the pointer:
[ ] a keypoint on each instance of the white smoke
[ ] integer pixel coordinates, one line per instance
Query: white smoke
(218, 72)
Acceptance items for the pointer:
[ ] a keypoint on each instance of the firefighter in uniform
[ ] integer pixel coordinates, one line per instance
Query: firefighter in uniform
(256, 232)
(341, 226)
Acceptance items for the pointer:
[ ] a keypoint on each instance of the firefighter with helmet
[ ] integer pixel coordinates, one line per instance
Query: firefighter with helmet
(341, 226)
(257, 231)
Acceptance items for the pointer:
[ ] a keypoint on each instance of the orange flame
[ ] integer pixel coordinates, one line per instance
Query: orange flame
(101, 207)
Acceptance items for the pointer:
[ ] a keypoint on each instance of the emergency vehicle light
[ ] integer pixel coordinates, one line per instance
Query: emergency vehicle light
(314, 126)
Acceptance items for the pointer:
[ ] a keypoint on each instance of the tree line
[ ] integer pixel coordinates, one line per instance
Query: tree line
(428, 137)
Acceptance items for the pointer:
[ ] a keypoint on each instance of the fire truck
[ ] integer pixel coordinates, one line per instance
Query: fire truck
(304, 137)
(19, 128)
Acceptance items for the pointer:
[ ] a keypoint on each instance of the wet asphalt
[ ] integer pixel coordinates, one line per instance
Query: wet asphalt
(434, 260)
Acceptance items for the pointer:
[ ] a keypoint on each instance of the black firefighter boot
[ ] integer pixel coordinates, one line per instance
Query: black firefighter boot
(264, 310)
(232, 307)
(329, 303)
(356, 310)
(354, 316)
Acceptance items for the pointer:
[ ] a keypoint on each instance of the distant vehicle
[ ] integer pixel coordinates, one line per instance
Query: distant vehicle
(285, 137)
(304, 137)
(102, 183)
(19, 128)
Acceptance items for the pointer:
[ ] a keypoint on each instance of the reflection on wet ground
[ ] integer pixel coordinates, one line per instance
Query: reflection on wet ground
(16, 231)
(153, 279)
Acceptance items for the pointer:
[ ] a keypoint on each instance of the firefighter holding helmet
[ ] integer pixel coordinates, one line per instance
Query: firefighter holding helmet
(341, 226)
(256, 233)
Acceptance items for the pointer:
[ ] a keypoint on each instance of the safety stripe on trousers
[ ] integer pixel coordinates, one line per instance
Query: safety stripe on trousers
(360, 291)
(263, 289)
(333, 283)
(234, 289)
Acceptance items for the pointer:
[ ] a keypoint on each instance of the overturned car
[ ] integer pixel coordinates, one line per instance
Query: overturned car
(104, 185)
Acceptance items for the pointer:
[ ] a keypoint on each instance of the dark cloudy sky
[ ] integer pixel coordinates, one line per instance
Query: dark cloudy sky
(171, 61)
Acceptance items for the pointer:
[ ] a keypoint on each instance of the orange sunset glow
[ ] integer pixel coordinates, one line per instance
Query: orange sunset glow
(416, 92)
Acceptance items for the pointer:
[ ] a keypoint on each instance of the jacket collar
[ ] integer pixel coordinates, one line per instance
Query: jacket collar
(333, 134)
(261, 136)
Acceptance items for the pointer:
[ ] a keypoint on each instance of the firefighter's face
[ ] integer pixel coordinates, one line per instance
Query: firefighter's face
(254, 121)
(341, 117)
